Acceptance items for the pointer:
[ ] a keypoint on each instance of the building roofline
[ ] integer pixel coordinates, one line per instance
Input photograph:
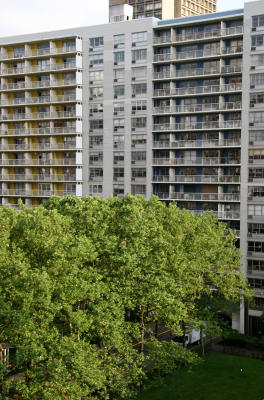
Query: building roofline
(203, 17)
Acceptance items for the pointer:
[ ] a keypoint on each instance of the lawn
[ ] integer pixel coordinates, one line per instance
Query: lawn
(219, 377)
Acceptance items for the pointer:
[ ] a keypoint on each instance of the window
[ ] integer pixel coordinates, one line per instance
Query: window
(96, 173)
(119, 75)
(44, 188)
(119, 40)
(256, 155)
(118, 190)
(119, 123)
(140, 122)
(139, 37)
(138, 189)
(96, 92)
(257, 79)
(256, 210)
(19, 51)
(118, 174)
(96, 141)
(138, 155)
(96, 124)
(257, 40)
(95, 157)
(96, 107)
(256, 98)
(119, 90)
(139, 105)
(257, 173)
(96, 59)
(139, 73)
(138, 173)
(256, 191)
(119, 57)
(96, 76)
(119, 141)
(95, 189)
(258, 21)
(256, 265)
(257, 247)
(139, 89)
(119, 107)
(257, 229)
(256, 116)
(138, 140)
(118, 156)
(96, 42)
(139, 55)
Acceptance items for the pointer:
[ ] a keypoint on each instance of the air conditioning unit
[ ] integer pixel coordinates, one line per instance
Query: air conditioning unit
(250, 161)
(250, 198)
(249, 253)
(252, 67)
(115, 146)
(91, 146)
(90, 98)
(252, 86)
(133, 78)
(133, 61)
(115, 112)
(250, 179)
(90, 130)
(115, 129)
(133, 44)
(115, 46)
(254, 29)
(115, 96)
(133, 162)
(253, 48)
(251, 143)
(251, 124)
(132, 145)
(115, 162)
(133, 129)
(133, 112)
(133, 95)
(91, 82)
(90, 48)
(250, 216)
(132, 179)
(115, 63)
(91, 65)
(115, 80)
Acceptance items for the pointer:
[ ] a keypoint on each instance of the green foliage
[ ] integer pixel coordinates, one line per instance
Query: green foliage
(83, 281)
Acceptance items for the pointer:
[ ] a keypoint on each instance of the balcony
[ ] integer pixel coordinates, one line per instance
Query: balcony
(183, 55)
(205, 196)
(235, 30)
(40, 131)
(197, 179)
(196, 108)
(161, 40)
(196, 161)
(39, 115)
(232, 50)
(185, 37)
(194, 90)
(197, 143)
(182, 126)
(39, 52)
(38, 84)
(38, 162)
(37, 178)
(163, 57)
(40, 146)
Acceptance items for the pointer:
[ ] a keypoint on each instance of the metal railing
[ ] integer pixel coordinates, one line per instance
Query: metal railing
(197, 178)
(197, 143)
(196, 161)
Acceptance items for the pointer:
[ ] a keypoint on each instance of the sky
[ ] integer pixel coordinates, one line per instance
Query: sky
(28, 16)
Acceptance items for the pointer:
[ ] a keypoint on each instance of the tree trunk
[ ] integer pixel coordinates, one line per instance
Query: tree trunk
(202, 341)
(142, 327)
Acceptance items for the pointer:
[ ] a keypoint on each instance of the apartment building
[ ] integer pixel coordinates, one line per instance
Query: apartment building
(143, 106)
(168, 9)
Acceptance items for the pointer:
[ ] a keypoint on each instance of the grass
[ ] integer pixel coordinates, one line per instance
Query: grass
(218, 377)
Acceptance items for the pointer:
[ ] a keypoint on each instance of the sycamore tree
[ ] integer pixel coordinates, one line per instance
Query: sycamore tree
(83, 282)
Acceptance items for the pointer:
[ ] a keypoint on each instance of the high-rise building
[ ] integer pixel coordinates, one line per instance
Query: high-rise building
(168, 9)
(174, 108)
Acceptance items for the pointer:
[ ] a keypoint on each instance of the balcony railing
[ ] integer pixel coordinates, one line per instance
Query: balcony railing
(192, 108)
(37, 162)
(37, 193)
(198, 35)
(182, 55)
(197, 125)
(39, 115)
(196, 161)
(39, 52)
(38, 178)
(198, 90)
(40, 146)
(161, 39)
(39, 84)
(39, 131)
(197, 178)
(232, 50)
(227, 69)
(197, 143)
(205, 196)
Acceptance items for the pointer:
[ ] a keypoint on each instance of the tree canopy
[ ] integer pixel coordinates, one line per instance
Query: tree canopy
(84, 280)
